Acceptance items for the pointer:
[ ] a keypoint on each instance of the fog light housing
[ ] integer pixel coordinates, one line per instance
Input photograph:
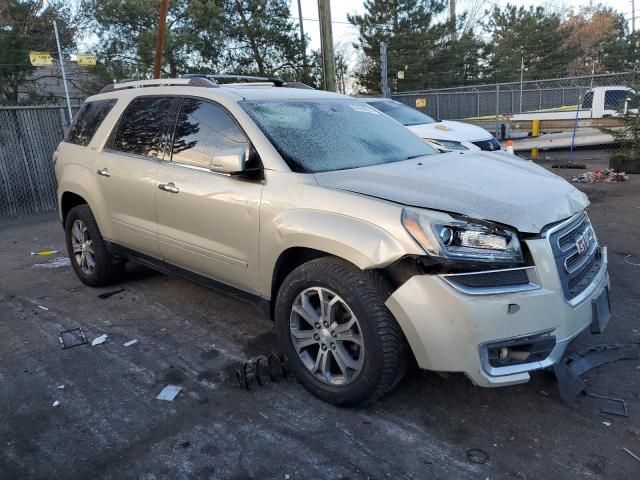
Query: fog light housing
(519, 351)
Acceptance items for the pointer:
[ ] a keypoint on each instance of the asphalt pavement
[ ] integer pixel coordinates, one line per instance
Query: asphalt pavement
(92, 412)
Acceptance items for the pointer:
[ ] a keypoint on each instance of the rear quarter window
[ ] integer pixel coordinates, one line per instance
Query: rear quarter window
(141, 127)
(88, 120)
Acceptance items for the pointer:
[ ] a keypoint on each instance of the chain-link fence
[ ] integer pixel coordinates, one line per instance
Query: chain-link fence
(508, 98)
(575, 119)
(28, 138)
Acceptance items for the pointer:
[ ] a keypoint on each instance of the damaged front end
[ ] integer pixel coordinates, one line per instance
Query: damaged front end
(498, 316)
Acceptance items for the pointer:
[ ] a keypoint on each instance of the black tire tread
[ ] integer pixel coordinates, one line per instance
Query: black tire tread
(373, 290)
(108, 269)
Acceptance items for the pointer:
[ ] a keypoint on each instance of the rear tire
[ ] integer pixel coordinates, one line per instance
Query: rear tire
(360, 353)
(87, 250)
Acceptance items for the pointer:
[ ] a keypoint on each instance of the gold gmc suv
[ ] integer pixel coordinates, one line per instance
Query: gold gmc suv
(365, 245)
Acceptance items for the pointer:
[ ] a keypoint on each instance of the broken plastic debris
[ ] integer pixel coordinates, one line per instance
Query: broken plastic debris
(626, 450)
(59, 262)
(72, 338)
(60, 387)
(599, 176)
(99, 340)
(110, 294)
(130, 342)
(626, 260)
(606, 424)
(43, 308)
(44, 253)
(56, 403)
(169, 392)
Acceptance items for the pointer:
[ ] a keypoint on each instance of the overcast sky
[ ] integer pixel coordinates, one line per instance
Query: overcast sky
(345, 34)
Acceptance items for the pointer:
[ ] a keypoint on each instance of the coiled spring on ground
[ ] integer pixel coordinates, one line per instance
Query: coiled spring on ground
(262, 368)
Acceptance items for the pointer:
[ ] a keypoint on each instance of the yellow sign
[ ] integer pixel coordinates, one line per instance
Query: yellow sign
(421, 102)
(86, 59)
(39, 59)
(400, 74)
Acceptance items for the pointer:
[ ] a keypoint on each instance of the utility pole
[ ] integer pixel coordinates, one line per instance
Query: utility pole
(383, 70)
(633, 15)
(326, 45)
(162, 22)
(303, 45)
(452, 15)
(64, 75)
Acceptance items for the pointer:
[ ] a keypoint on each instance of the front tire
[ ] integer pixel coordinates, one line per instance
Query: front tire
(87, 251)
(342, 342)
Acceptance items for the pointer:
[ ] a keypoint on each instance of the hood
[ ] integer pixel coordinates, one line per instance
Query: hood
(447, 130)
(480, 185)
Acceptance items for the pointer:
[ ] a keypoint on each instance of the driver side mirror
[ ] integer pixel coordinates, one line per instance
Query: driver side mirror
(230, 161)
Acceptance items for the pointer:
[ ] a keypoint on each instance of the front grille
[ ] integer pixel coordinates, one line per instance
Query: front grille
(490, 145)
(577, 256)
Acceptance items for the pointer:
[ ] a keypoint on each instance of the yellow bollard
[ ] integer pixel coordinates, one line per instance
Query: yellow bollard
(535, 128)
(534, 153)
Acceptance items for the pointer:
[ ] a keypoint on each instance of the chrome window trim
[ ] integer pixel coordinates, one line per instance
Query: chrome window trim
(111, 151)
(196, 167)
(532, 274)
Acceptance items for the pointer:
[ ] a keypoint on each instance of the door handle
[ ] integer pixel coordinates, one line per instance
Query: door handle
(104, 172)
(169, 187)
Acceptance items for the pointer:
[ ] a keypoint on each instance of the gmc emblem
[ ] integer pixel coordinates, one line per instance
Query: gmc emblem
(581, 245)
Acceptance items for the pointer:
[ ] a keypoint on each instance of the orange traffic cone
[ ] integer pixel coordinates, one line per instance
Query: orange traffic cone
(509, 145)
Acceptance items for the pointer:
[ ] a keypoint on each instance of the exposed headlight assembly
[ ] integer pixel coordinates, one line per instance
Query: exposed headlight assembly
(448, 144)
(462, 239)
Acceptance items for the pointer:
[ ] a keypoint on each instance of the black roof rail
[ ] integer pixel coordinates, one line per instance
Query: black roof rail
(278, 82)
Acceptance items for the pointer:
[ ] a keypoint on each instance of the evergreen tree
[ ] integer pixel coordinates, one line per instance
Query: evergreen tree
(261, 38)
(24, 26)
(532, 34)
(414, 40)
(627, 156)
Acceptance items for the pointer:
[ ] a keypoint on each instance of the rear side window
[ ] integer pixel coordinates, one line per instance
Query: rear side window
(87, 121)
(142, 125)
(588, 100)
(202, 130)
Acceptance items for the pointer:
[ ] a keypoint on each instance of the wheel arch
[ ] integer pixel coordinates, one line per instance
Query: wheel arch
(68, 200)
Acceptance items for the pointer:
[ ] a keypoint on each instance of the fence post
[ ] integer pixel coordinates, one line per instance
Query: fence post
(540, 101)
(478, 104)
(437, 106)
(383, 70)
(497, 111)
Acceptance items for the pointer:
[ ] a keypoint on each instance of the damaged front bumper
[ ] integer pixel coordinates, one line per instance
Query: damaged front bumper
(495, 336)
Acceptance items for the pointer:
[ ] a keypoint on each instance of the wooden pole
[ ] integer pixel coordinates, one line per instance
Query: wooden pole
(303, 46)
(326, 45)
(452, 15)
(162, 22)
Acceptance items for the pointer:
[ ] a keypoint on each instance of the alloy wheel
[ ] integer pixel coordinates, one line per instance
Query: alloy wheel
(327, 336)
(83, 249)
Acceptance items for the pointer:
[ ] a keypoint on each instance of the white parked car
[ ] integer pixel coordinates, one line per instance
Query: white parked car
(444, 133)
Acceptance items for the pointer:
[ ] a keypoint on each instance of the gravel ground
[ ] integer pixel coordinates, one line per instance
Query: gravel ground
(108, 423)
